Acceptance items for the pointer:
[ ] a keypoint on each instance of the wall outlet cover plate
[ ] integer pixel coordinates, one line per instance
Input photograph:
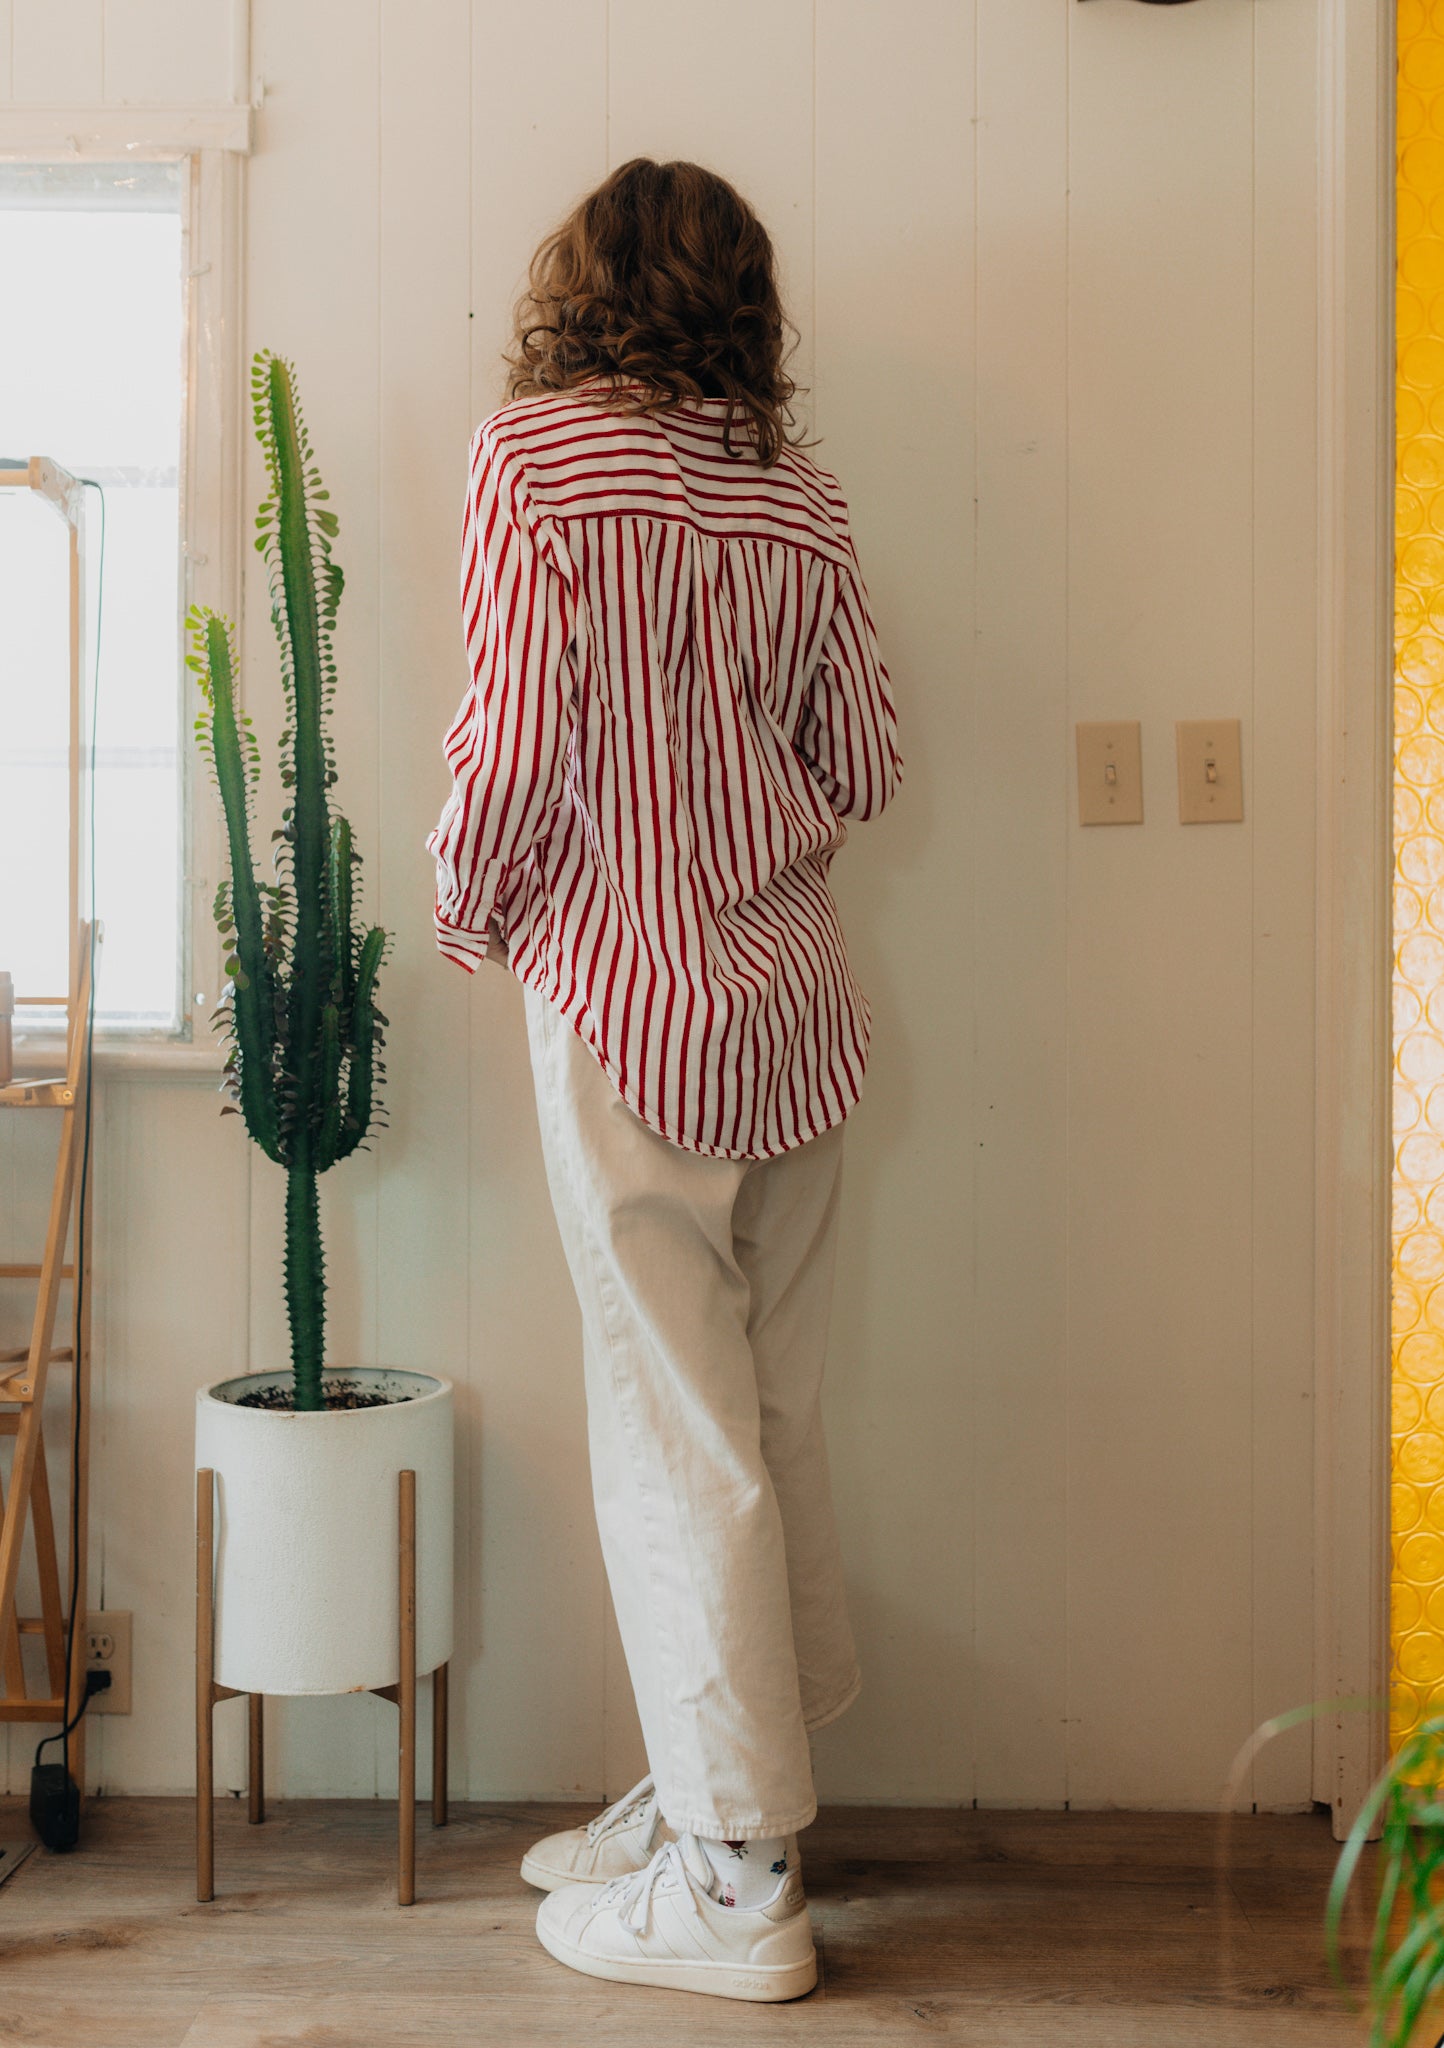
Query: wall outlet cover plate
(107, 1648)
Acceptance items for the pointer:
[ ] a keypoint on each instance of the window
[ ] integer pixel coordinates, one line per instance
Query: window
(93, 374)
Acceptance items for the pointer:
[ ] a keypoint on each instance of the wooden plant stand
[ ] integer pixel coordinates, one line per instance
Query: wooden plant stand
(402, 1695)
(23, 1373)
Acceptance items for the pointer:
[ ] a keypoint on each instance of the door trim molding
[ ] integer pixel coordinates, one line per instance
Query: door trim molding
(1354, 847)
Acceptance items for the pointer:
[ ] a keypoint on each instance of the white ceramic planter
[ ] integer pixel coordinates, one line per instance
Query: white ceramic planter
(306, 1532)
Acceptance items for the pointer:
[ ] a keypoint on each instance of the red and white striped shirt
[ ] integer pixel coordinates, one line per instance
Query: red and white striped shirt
(676, 699)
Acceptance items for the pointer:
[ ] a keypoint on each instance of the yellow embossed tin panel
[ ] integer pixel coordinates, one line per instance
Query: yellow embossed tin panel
(1417, 1607)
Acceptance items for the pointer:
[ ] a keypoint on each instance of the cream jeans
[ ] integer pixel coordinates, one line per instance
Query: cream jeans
(704, 1286)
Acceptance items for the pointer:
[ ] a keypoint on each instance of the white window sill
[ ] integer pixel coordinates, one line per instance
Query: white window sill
(122, 1056)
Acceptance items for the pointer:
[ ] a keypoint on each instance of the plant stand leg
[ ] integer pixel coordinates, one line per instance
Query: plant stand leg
(207, 1691)
(439, 1735)
(406, 1691)
(256, 1770)
(205, 1667)
(403, 1694)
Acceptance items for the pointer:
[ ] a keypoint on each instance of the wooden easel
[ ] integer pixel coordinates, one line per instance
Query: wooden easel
(402, 1695)
(66, 1257)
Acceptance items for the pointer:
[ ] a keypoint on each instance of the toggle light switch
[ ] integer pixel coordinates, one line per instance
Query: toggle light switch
(1210, 771)
(1110, 773)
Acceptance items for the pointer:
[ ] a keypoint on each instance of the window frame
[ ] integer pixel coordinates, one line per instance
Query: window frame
(210, 145)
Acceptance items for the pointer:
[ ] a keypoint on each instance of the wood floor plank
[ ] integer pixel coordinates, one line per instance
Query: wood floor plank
(631, 2016)
(155, 2019)
(1123, 1930)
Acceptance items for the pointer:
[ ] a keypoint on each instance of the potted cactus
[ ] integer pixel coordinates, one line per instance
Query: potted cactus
(306, 1459)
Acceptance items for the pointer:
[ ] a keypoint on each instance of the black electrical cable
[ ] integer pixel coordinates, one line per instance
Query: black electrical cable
(81, 1276)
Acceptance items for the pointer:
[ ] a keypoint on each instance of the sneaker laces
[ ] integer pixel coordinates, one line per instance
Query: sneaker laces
(632, 1894)
(621, 1809)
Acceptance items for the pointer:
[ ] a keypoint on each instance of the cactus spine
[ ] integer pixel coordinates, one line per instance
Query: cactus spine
(300, 1011)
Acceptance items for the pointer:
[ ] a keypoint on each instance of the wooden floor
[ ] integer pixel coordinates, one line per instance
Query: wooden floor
(992, 1929)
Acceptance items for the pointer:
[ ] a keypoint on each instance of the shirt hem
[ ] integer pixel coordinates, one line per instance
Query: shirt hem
(660, 1125)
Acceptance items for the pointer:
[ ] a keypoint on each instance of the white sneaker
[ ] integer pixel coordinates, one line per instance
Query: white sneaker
(618, 1841)
(662, 1926)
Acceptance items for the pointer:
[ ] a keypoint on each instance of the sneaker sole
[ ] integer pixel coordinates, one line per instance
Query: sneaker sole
(547, 1880)
(765, 1984)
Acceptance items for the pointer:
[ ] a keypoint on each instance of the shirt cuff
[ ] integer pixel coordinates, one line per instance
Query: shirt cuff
(466, 944)
(461, 944)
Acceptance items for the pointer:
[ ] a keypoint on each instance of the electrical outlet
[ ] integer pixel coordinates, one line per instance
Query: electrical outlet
(107, 1648)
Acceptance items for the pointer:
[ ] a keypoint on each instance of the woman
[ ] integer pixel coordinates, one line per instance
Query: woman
(677, 699)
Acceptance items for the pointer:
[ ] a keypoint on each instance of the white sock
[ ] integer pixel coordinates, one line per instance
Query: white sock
(748, 1873)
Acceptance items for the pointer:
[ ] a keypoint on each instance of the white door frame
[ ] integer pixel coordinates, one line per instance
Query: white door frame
(1353, 1038)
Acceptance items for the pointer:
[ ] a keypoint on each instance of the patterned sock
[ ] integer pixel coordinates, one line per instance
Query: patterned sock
(748, 1873)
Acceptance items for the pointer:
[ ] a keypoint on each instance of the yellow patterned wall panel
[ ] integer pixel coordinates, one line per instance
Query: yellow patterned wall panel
(1417, 1605)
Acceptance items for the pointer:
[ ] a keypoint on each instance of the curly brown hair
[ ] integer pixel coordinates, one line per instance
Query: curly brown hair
(664, 276)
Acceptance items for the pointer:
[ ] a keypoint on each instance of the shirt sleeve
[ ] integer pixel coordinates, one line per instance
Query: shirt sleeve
(507, 745)
(847, 734)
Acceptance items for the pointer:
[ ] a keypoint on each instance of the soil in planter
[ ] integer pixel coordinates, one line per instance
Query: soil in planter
(339, 1393)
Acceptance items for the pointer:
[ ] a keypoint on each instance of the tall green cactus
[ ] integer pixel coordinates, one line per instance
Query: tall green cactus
(300, 1012)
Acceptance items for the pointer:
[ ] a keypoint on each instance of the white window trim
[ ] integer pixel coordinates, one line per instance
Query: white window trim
(110, 134)
(210, 143)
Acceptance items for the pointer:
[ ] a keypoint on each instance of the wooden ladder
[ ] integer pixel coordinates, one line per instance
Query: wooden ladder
(26, 1500)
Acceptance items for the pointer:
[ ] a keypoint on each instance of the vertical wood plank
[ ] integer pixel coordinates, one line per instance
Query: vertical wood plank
(533, 1703)
(160, 52)
(239, 73)
(895, 228)
(735, 97)
(57, 52)
(1019, 888)
(170, 1294)
(1285, 586)
(425, 424)
(1160, 593)
(538, 142)
(313, 295)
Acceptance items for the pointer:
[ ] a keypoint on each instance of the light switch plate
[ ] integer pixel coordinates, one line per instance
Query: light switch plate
(1110, 773)
(1210, 771)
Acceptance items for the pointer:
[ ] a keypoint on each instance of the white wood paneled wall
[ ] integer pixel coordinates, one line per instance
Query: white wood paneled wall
(1054, 269)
